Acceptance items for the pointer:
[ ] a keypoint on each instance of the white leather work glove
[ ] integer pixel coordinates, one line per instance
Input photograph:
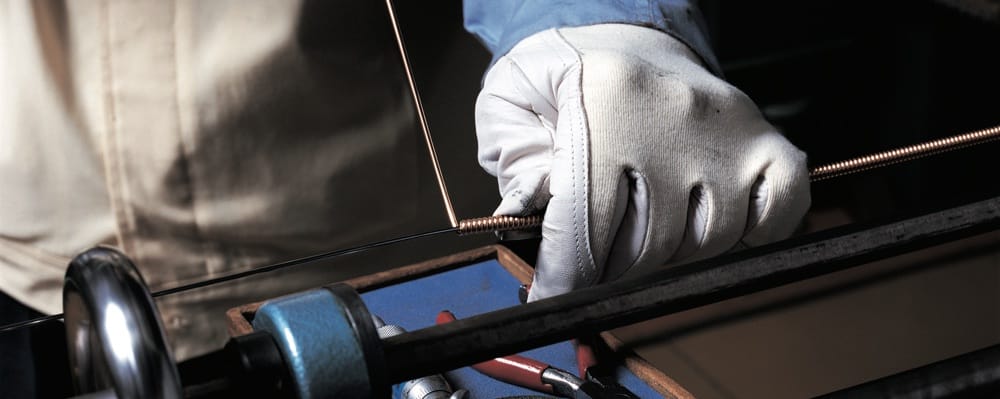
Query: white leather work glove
(638, 155)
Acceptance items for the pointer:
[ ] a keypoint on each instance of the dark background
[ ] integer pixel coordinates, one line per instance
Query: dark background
(850, 78)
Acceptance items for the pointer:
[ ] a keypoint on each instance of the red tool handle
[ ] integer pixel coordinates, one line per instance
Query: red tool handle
(585, 356)
(513, 369)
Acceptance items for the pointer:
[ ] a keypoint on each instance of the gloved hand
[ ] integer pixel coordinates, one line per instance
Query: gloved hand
(638, 155)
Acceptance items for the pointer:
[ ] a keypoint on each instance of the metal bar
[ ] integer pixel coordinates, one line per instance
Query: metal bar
(903, 154)
(974, 374)
(496, 223)
(449, 209)
(474, 339)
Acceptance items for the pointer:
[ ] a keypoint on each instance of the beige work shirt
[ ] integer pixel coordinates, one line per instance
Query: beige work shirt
(200, 137)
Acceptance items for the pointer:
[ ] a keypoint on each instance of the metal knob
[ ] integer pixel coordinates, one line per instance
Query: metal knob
(113, 330)
(428, 387)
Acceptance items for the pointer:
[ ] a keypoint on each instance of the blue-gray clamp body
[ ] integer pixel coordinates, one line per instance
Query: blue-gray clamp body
(328, 341)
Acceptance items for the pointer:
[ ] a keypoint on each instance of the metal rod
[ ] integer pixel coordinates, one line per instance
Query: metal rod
(904, 154)
(449, 209)
(465, 226)
(498, 223)
(974, 374)
(668, 291)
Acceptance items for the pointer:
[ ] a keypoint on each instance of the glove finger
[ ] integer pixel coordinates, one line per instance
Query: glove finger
(717, 217)
(783, 195)
(660, 218)
(758, 202)
(564, 261)
(631, 222)
(697, 223)
(727, 217)
(530, 104)
(515, 142)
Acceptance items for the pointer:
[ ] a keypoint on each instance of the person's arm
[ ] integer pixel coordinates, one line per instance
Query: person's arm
(500, 24)
(613, 121)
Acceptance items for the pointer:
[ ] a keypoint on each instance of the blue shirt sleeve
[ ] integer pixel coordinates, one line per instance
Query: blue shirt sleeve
(501, 24)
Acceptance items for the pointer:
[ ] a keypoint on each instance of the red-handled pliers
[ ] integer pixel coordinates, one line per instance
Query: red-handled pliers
(533, 374)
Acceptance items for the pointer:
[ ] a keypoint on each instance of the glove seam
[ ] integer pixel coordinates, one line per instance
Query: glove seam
(557, 40)
(579, 136)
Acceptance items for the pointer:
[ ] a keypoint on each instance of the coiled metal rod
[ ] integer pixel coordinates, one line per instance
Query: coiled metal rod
(498, 223)
(904, 154)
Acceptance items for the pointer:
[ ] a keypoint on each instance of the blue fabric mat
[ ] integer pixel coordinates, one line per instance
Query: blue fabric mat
(468, 291)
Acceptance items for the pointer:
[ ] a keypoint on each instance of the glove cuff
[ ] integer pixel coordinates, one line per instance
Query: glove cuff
(648, 44)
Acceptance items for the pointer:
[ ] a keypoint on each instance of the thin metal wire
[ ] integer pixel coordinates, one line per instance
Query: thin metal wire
(299, 261)
(902, 154)
(465, 226)
(31, 322)
(449, 209)
(247, 273)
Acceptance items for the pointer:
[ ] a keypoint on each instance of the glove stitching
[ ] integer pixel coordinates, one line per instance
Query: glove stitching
(574, 68)
(578, 145)
(562, 42)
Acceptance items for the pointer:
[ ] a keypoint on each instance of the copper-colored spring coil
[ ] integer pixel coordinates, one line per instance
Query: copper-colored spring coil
(904, 154)
(498, 223)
